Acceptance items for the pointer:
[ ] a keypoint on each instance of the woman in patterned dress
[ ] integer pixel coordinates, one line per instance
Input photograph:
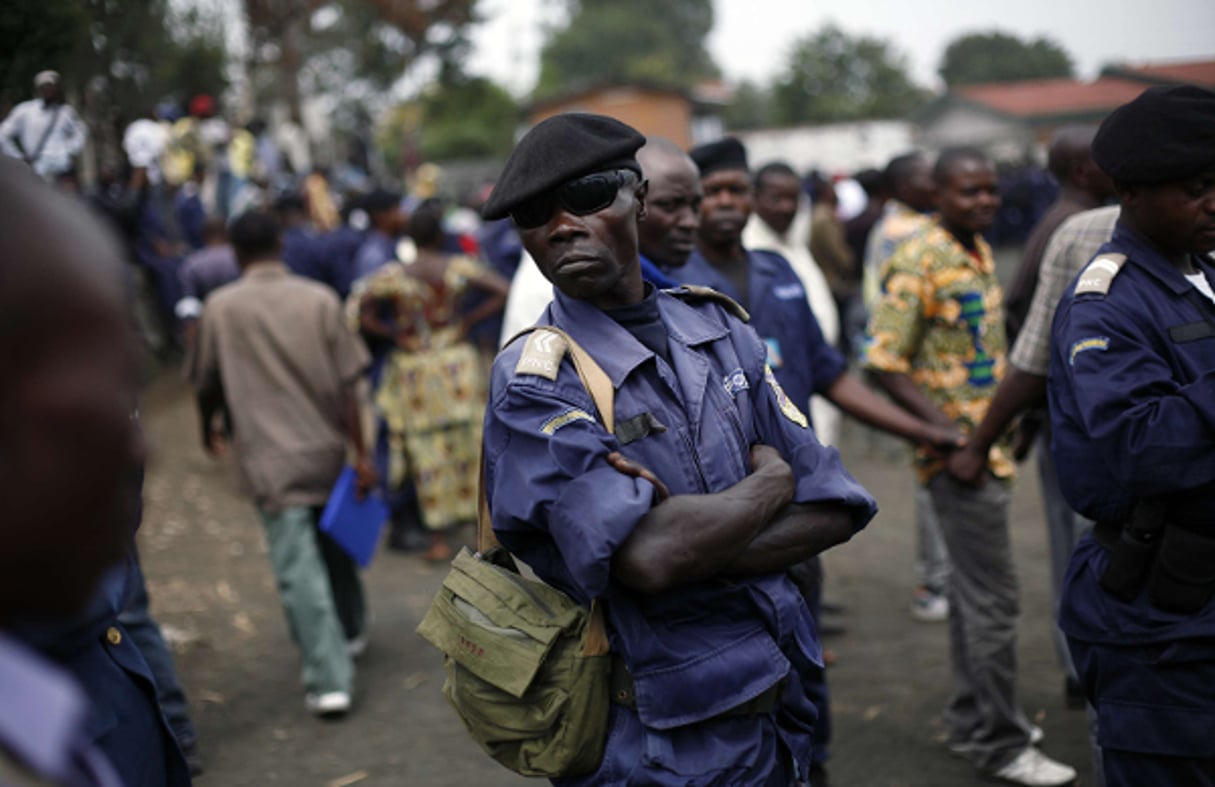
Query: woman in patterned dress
(431, 393)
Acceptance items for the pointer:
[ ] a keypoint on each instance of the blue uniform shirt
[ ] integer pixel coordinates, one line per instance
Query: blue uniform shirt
(801, 358)
(655, 275)
(1132, 402)
(696, 651)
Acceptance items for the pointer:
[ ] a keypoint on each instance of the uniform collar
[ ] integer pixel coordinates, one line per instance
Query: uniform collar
(613, 347)
(1140, 251)
(265, 269)
(656, 275)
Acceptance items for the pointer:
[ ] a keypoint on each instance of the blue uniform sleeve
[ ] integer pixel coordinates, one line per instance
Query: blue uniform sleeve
(549, 484)
(826, 362)
(1153, 432)
(821, 475)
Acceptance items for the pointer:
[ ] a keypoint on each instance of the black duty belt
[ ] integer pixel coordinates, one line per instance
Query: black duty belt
(623, 693)
(1107, 533)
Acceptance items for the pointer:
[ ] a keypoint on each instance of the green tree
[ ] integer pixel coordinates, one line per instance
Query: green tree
(467, 117)
(976, 58)
(117, 58)
(833, 76)
(628, 41)
(750, 107)
(309, 47)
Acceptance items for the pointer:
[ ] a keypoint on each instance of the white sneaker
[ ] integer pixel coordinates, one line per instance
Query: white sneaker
(327, 705)
(929, 607)
(1034, 769)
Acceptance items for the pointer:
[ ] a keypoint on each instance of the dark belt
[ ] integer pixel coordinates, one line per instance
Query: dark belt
(623, 693)
(1107, 533)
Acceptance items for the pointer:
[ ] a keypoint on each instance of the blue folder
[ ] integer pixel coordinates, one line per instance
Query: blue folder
(354, 524)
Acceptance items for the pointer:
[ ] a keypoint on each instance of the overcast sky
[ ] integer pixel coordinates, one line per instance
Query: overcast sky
(751, 38)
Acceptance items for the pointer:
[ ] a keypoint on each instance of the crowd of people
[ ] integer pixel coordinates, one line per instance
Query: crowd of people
(738, 315)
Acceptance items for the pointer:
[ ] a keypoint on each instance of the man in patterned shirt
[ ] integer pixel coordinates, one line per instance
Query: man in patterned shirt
(937, 346)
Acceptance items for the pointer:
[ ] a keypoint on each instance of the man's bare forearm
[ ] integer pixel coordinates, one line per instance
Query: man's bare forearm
(799, 532)
(909, 396)
(689, 538)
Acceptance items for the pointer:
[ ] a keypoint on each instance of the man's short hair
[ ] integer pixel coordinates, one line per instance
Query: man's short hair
(254, 234)
(951, 157)
(772, 168)
(899, 168)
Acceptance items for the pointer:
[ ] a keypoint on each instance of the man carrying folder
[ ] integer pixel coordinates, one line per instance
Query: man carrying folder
(274, 347)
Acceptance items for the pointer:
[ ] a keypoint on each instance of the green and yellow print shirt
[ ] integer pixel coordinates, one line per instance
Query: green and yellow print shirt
(939, 319)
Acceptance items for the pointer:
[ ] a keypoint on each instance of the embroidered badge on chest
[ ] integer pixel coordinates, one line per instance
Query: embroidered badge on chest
(734, 382)
(787, 407)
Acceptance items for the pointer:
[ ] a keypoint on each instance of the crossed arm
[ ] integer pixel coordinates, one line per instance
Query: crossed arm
(748, 529)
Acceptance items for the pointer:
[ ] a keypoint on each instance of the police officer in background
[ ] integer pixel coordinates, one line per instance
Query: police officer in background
(705, 624)
(1132, 402)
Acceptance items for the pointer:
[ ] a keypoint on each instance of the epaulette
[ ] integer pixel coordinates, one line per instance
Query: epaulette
(542, 353)
(695, 292)
(1099, 274)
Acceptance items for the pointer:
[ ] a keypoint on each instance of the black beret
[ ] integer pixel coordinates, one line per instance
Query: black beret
(1164, 135)
(559, 149)
(726, 153)
(379, 200)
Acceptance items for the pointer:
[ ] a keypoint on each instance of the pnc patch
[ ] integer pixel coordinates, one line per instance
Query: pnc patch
(734, 382)
(542, 354)
(1101, 343)
(566, 418)
(786, 406)
(1099, 274)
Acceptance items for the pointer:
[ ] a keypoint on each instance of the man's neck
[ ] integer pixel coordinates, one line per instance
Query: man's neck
(1076, 195)
(968, 239)
(723, 255)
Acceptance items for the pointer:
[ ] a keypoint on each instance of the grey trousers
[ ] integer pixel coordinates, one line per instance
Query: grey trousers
(307, 596)
(931, 556)
(983, 712)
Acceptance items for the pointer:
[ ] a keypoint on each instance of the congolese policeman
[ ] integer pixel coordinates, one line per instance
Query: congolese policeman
(703, 620)
(1132, 400)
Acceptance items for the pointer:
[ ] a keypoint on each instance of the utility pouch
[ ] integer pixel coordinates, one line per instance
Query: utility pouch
(1183, 576)
(1132, 554)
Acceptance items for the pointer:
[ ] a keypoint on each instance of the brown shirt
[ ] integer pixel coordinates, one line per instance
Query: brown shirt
(279, 346)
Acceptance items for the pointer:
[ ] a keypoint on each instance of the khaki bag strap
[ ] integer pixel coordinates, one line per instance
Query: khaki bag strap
(599, 386)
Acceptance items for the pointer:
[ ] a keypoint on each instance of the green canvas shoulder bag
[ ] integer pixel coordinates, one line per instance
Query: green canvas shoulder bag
(528, 669)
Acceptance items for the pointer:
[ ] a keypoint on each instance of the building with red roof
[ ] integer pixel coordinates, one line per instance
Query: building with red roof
(1014, 120)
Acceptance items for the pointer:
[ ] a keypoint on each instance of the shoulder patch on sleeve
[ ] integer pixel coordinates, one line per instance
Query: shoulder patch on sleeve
(787, 407)
(542, 354)
(696, 292)
(1099, 274)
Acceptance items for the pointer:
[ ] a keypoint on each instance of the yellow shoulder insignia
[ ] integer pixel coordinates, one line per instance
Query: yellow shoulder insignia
(695, 292)
(787, 407)
(1099, 274)
(542, 354)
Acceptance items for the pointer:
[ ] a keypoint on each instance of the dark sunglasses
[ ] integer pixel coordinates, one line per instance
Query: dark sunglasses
(582, 196)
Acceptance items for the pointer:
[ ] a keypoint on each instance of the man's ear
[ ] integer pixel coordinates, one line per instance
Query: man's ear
(639, 194)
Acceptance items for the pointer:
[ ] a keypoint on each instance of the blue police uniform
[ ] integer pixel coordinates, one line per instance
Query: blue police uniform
(1132, 402)
(125, 720)
(803, 361)
(376, 250)
(694, 652)
(656, 275)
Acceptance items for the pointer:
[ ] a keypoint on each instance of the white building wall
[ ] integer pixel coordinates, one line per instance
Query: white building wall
(837, 148)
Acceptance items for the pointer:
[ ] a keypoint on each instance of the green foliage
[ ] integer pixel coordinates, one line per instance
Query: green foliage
(467, 118)
(833, 76)
(661, 44)
(996, 57)
(36, 35)
(751, 107)
(117, 58)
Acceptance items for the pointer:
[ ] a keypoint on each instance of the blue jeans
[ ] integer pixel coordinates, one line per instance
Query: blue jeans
(137, 620)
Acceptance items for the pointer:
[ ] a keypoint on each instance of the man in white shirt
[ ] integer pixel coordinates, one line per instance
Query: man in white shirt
(44, 132)
(781, 223)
